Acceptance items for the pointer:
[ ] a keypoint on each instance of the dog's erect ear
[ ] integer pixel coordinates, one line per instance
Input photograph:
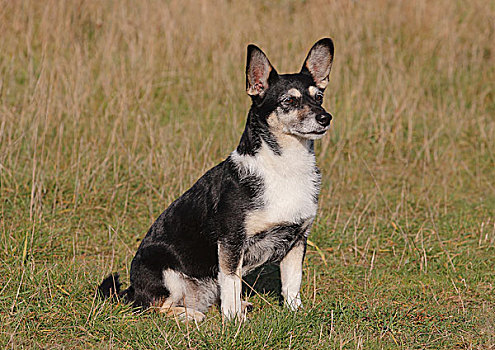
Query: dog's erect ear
(259, 71)
(319, 62)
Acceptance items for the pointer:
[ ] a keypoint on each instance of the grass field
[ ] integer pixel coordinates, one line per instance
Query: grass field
(109, 110)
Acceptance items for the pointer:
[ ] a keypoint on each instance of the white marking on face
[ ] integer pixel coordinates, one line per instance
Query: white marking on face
(291, 184)
(294, 92)
(313, 90)
(299, 121)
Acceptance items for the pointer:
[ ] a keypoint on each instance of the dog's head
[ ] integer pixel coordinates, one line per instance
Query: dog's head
(292, 103)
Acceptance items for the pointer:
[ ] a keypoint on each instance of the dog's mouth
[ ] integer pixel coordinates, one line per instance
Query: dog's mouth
(311, 135)
(320, 132)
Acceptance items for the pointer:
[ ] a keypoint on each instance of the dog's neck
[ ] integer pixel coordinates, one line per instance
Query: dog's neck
(258, 130)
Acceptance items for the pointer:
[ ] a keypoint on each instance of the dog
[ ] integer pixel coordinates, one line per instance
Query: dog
(255, 207)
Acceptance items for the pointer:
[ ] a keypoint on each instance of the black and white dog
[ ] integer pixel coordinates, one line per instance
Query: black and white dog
(257, 206)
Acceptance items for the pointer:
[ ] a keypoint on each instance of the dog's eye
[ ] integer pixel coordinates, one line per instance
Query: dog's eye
(319, 98)
(291, 101)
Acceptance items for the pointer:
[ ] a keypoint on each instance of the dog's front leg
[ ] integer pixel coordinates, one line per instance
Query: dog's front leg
(229, 280)
(291, 275)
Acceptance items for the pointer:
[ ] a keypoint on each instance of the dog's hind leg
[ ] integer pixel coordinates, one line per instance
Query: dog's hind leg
(175, 304)
(183, 313)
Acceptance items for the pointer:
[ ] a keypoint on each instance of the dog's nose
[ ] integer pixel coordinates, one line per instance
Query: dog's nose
(324, 119)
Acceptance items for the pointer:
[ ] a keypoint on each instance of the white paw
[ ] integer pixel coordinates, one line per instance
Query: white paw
(236, 314)
(294, 303)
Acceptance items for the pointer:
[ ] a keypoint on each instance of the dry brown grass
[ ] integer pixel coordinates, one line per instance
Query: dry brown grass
(109, 110)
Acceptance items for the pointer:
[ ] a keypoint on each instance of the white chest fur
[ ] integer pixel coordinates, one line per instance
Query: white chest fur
(290, 185)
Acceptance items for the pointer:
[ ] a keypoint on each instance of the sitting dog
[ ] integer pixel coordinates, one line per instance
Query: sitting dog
(255, 207)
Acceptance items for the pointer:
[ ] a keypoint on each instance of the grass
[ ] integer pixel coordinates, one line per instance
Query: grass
(110, 110)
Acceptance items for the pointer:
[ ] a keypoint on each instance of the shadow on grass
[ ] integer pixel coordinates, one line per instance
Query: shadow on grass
(263, 280)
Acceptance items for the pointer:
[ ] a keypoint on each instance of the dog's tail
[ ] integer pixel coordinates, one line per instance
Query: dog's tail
(110, 288)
